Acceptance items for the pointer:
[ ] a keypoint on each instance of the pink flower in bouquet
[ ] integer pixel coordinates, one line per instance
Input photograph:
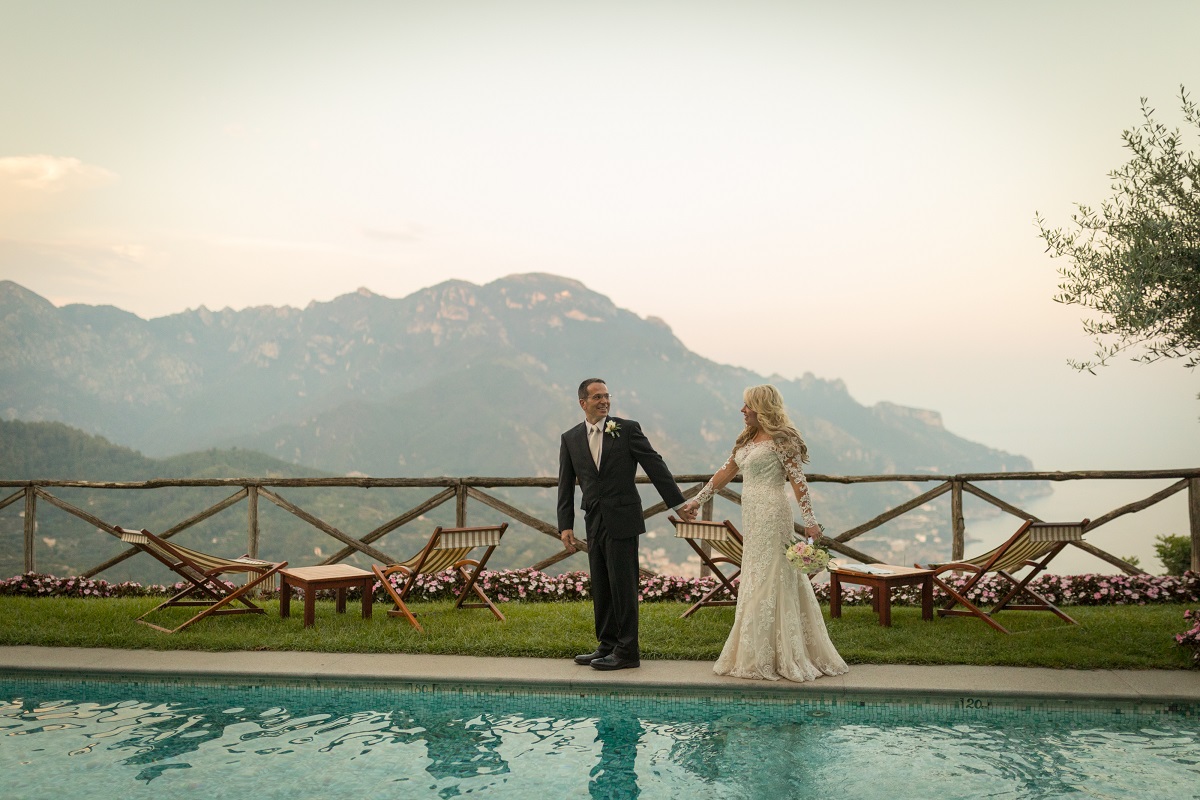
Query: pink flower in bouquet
(806, 557)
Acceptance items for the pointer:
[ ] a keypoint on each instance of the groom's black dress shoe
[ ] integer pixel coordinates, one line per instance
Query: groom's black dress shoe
(611, 661)
(588, 658)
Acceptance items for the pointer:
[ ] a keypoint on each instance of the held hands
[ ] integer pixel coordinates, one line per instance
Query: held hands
(688, 511)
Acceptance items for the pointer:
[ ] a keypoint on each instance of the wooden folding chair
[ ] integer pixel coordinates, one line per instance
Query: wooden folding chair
(727, 541)
(202, 572)
(1033, 546)
(447, 549)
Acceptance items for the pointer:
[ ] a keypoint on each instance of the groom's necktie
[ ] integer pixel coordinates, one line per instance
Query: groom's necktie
(594, 443)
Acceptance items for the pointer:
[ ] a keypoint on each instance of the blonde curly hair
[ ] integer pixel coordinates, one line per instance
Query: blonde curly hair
(767, 403)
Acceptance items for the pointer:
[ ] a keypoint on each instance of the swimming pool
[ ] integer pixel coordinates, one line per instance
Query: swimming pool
(65, 735)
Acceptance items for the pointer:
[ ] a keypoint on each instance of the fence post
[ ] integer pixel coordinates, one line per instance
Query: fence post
(1194, 519)
(958, 524)
(30, 525)
(252, 520)
(460, 505)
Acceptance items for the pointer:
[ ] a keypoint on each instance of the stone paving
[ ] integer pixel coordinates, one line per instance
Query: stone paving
(889, 679)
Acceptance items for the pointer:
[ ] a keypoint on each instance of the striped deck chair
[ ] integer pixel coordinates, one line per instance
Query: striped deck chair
(447, 549)
(727, 541)
(202, 572)
(1033, 546)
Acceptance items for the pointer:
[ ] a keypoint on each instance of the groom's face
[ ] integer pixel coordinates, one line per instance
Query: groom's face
(595, 405)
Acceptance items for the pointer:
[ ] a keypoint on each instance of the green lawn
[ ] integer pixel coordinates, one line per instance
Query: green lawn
(1108, 637)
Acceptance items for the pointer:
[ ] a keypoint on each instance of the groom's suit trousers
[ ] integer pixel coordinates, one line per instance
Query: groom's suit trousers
(613, 564)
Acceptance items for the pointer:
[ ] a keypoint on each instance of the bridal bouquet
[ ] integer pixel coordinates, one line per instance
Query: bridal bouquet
(807, 557)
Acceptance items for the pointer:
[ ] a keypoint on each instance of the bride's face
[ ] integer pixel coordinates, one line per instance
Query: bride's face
(750, 417)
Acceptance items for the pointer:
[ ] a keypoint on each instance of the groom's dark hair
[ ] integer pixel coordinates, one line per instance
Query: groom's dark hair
(583, 392)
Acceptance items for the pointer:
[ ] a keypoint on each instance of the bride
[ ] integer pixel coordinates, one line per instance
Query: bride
(777, 630)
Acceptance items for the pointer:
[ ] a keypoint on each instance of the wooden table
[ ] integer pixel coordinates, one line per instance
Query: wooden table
(882, 588)
(332, 576)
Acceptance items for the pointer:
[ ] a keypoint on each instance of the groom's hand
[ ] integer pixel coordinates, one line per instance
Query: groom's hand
(569, 541)
(688, 512)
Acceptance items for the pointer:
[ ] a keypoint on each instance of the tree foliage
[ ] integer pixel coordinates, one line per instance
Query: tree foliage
(1175, 553)
(1136, 260)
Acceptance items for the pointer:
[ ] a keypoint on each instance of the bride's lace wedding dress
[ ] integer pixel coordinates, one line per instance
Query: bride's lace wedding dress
(777, 630)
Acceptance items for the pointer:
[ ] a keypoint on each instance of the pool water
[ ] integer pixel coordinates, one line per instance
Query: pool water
(61, 736)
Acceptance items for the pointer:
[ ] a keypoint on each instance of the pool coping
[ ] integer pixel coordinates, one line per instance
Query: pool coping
(964, 682)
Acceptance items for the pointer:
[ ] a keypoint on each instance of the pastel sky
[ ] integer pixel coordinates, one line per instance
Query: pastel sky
(847, 189)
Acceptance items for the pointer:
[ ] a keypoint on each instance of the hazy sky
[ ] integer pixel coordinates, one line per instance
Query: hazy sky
(841, 188)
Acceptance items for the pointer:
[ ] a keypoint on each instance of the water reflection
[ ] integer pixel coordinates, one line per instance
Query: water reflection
(614, 777)
(461, 748)
(147, 739)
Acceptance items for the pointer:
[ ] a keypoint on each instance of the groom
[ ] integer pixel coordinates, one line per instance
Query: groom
(604, 452)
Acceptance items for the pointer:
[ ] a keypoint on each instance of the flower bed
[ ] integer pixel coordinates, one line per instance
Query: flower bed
(32, 584)
(1067, 590)
(1191, 638)
(529, 585)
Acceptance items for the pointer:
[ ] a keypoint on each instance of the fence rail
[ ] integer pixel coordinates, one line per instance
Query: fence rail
(461, 490)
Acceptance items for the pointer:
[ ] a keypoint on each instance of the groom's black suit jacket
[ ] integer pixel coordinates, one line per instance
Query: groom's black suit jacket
(610, 496)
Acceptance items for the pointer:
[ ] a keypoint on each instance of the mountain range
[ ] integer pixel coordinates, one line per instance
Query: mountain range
(456, 379)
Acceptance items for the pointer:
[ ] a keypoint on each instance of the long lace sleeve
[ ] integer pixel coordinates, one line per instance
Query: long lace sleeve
(789, 454)
(717, 482)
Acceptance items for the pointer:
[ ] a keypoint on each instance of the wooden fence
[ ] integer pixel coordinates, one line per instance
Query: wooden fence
(462, 490)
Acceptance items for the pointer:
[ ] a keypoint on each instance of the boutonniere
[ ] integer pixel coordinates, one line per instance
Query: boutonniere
(612, 429)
